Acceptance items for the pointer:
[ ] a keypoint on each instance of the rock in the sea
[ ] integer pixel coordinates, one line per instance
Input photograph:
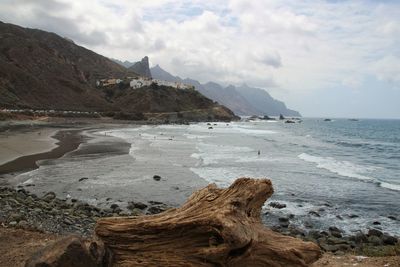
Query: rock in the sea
(352, 216)
(392, 217)
(376, 223)
(277, 205)
(82, 179)
(157, 177)
(314, 213)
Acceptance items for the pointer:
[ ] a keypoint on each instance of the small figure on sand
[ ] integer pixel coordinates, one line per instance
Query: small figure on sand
(259, 152)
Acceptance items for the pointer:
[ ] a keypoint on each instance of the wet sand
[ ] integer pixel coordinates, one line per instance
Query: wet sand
(15, 143)
(68, 140)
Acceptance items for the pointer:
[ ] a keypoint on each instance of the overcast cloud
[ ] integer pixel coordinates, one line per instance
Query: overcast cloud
(324, 58)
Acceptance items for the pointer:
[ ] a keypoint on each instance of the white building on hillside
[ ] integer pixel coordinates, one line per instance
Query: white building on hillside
(141, 82)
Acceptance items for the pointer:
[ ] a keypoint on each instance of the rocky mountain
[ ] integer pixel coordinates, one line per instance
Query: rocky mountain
(141, 67)
(125, 63)
(264, 102)
(158, 73)
(243, 100)
(41, 70)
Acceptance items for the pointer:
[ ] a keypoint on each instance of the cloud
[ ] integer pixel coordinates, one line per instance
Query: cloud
(297, 47)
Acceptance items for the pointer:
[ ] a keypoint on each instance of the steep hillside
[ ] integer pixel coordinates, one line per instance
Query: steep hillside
(265, 103)
(229, 97)
(242, 100)
(42, 70)
(141, 67)
(163, 99)
(158, 73)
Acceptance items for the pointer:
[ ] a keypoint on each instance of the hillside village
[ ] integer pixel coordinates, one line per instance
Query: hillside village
(138, 82)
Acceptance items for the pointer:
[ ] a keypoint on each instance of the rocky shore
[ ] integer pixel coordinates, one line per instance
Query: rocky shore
(22, 209)
(371, 242)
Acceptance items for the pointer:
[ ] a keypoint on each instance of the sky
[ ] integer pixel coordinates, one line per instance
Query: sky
(323, 58)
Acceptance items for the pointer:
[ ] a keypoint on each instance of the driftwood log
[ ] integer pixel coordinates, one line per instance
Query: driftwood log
(215, 227)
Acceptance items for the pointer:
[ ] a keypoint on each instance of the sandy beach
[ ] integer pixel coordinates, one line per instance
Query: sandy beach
(15, 144)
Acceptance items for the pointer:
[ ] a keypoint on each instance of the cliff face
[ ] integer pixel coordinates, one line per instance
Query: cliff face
(141, 67)
(264, 102)
(242, 100)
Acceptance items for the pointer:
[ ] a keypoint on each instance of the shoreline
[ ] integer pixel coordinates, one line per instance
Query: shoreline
(67, 141)
(60, 214)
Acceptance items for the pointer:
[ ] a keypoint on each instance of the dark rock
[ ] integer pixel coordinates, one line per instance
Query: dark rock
(313, 212)
(339, 217)
(392, 217)
(359, 238)
(376, 223)
(157, 177)
(136, 205)
(374, 232)
(277, 205)
(352, 216)
(155, 210)
(389, 240)
(114, 206)
(83, 178)
(283, 219)
(155, 202)
(336, 232)
(70, 251)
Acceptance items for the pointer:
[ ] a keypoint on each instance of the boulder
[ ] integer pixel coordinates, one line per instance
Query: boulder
(389, 240)
(157, 177)
(71, 251)
(136, 205)
(277, 205)
(374, 232)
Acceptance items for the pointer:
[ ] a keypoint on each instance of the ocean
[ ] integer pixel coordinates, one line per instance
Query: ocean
(343, 173)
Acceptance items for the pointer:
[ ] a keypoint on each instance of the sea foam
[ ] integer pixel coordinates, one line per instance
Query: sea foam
(343, 168)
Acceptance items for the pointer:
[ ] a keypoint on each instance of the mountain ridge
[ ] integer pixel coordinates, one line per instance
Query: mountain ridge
(242, 100)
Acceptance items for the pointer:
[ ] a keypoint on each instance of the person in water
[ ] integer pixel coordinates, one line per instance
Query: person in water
(259, 152)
